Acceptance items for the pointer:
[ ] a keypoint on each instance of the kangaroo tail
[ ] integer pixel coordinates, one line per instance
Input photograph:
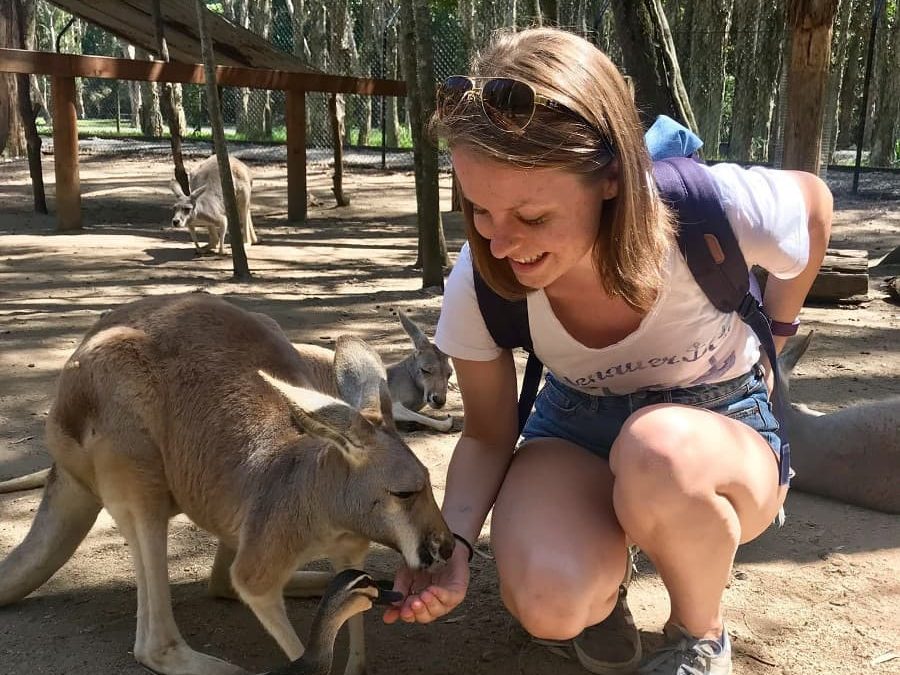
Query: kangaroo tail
(29, 482)
(65, 516)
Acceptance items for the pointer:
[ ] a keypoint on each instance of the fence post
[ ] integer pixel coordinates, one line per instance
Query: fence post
(296, 155)
(65, 154)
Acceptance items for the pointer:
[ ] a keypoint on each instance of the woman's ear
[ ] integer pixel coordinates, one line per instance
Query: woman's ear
(609, 183)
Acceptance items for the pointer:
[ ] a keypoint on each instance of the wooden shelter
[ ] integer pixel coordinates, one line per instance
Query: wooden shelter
(245, 60)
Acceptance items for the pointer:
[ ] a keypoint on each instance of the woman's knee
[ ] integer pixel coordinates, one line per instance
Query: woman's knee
(556, 601)
(655, 449)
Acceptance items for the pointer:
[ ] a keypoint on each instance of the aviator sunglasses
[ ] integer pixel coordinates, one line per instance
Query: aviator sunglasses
(509, 104)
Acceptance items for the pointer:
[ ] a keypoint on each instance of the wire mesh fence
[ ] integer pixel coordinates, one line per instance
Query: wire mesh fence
(369, 45)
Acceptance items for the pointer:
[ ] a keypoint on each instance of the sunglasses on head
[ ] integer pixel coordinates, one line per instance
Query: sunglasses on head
(508, 103)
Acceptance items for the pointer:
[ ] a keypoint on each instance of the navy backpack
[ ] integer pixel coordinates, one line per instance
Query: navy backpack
(712, 253)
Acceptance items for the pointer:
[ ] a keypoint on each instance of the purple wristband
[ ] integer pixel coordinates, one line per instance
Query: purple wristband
(784, 329)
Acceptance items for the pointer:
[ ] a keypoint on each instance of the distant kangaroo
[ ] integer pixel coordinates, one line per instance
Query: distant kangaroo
(851, 454)
(205, 205)
(284, 458)
(419, 379)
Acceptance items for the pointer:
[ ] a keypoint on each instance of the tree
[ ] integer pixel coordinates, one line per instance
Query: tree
(12, 128)
(811, 23)
(415, 21)
(649, 58)
(886, 120)
(701, 40)
(238, 254)
(171, 108)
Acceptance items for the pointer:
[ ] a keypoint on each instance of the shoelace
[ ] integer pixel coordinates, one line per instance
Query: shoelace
(684, 657)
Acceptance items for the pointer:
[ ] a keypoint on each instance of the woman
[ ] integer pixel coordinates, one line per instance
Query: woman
(654, 427)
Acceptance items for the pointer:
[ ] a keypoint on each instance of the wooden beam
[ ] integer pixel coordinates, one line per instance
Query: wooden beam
(65, 154)
(296, 155)
(132, 21)
(103, 67)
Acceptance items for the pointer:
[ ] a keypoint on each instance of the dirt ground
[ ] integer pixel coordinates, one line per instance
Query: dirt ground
(819, 596)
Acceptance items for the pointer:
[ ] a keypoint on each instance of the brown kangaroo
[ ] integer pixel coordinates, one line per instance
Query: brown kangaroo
(284, 459)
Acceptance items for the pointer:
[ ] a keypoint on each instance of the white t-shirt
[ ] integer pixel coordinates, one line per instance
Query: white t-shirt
(683, 340)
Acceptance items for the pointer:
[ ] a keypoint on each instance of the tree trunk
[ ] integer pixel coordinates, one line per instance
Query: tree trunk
(238, 255)
(851, 77)
(811, 22)
(336, 112)
(415, 21)
(839, 45)
(649, 58)
(170, 109)
(746, 78)
(886, 121)
(709, 21)
(259, 101)
(26, 11)
(12, 126)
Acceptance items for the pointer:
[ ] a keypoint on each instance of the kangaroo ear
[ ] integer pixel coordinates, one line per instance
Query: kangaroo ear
(793, 351)
(176, 188)
(327, 418)
(420, 340)
(199, 191)
(362, 380)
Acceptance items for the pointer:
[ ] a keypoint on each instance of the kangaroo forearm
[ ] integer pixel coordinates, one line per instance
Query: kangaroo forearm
(473, 481)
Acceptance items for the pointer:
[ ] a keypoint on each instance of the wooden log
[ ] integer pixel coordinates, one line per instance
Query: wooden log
(843, 277)
(296, 155)
(65, 154)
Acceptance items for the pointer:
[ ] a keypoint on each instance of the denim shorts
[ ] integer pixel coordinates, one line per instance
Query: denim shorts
(593, 422)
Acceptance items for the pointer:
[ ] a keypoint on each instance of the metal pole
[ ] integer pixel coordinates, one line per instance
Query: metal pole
(383, 70)
(388, 23)
(863, 112)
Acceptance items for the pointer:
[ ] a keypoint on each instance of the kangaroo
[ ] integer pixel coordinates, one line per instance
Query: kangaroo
(280, 458)
(421, 378)
(206, 206)
(852, 454)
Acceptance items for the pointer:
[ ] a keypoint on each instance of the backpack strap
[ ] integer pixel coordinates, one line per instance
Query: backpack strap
(507, 322)
(714, 257)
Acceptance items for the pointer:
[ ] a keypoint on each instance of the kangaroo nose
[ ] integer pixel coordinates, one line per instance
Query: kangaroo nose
(436, 400)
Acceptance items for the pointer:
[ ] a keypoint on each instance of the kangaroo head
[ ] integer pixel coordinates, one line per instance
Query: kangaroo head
(184, 203)
(432, 369)
(385, 493)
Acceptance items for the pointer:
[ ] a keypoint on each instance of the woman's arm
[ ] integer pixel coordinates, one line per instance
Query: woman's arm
(784, 298)
(476, 471)
(488, 439)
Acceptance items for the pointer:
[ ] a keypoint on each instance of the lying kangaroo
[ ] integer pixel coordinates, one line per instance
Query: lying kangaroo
(419, 379)
(206, 206)
(852, 454)
(250, 440)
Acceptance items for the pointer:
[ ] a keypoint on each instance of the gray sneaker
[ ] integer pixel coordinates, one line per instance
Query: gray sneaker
(686, 655)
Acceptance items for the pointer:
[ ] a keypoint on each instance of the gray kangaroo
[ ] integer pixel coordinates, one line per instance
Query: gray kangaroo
(851, 454)
(282, 457)
(205, 206)
(419, 379)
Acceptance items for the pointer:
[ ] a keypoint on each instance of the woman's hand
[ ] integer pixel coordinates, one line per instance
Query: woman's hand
(430, 595)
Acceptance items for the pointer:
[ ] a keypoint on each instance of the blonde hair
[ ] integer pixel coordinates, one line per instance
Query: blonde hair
(635, 234)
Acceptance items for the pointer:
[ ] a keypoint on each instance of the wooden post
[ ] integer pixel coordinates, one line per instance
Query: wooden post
(296, 155)
(65, 155)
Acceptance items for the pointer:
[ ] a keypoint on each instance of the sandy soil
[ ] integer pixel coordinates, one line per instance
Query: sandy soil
(820, 596)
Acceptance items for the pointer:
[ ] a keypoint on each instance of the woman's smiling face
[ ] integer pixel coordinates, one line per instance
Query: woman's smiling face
(543, 222)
